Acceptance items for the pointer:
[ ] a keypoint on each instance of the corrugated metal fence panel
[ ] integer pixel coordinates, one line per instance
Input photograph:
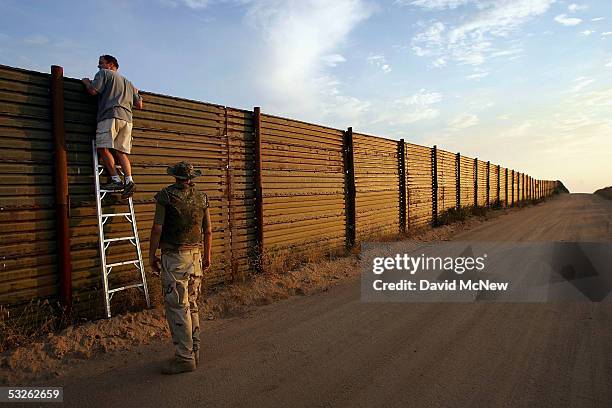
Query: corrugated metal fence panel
(303, 185)
(493, 184)
(80, 127)
(482, 183)
(528, 187)
(447, 182)
(27, 194)
(242, 182)
(502, 186)
(168, 130)
(376, 186)
(467, 181)
(418, 184)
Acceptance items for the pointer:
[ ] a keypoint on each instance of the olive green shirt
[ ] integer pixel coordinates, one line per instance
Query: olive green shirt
(173, 192)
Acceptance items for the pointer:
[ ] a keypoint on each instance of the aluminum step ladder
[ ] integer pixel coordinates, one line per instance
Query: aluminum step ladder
(106, 242)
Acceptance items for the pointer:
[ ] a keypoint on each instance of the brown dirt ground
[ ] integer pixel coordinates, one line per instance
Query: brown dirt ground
(48, 356)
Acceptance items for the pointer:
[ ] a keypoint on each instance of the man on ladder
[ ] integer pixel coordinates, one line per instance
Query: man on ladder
(117, 96)
(114, 129)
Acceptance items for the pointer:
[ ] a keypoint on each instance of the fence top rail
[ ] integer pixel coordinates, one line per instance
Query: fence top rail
(303, 122)
(382, 138)
(24, 71)
(176, 98)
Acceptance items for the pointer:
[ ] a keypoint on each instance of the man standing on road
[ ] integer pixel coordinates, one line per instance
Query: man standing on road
(114, 129)
(181, 226)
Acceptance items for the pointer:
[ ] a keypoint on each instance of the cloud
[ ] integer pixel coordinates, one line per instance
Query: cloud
(587, 32)
(439, 62)
(434, 4)
(333, 59)
(517, 131)
(597, 19)
(193, 4)
(422, 97)
(299, 42)
(472, 42)
(36, 40)
(414, 108)
(606, 33)
(478, 75)
(380, 62)
(608, 64)
(581, 83)
(196, 4)
(595, 99)
(463, 120)
(567, 21)
(429, 41)
(573, 8)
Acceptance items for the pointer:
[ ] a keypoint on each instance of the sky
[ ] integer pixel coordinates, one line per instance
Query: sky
(526, 84)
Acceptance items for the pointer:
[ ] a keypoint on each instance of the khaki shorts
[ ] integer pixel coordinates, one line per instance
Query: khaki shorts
(114, 134)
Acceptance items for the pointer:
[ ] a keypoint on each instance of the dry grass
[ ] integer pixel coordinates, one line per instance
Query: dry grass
(20, 324)
(287, 272)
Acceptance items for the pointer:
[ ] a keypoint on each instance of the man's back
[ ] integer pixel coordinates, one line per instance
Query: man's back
(183, 208)
(117, 95)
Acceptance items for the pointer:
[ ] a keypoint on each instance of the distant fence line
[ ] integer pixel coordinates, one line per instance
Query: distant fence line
(273, 183)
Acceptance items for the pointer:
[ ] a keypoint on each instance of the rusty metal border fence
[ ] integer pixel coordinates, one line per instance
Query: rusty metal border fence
(276, 185)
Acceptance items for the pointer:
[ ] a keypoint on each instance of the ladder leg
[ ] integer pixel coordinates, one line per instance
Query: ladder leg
(143, 276)
(96, 173)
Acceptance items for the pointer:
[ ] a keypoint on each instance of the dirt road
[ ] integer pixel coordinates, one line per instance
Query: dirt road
(332, 350)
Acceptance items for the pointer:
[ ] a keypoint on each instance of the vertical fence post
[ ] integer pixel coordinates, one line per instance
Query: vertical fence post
(498, 184)
(458, 181)
(401, 167)
(62, 199)
(512, 189)
(506, 189)
(231, 265)
(488, 183)
(434, 186)
(349, 188)
(476, 182)
(258, 191)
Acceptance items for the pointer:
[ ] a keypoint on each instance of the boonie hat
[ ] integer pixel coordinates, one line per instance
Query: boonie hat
(183, 170)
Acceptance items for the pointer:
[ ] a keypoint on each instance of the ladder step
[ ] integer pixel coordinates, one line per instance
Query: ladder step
(117, 166)
(119, 239)
(136, 285)
(135, 261)
(110, 191)
(116, 214)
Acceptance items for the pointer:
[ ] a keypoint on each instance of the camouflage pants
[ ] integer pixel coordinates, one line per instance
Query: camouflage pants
(181, 277)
